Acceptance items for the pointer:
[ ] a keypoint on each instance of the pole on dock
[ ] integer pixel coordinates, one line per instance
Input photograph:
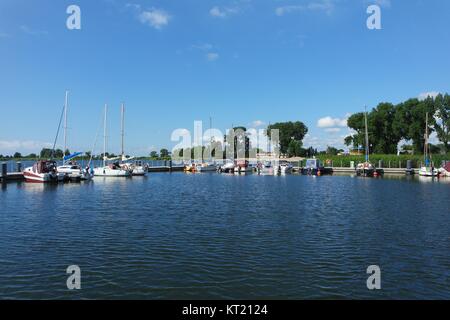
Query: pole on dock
(4, 171)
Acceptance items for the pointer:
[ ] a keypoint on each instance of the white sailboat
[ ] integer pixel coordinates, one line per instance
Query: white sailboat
(111, 169)
(70, 168)
(366, 169)
(428, 170)
(136, 167)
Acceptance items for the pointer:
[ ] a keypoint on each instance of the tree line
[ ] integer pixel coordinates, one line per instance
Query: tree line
(388, 124)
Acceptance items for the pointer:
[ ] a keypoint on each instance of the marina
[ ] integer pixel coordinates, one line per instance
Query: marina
(213, 236)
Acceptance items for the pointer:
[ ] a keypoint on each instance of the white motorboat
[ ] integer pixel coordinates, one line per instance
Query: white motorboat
(69, 168)
(266, 168)
(112, 169)
(205, 167)
(228, 166)
(285, 167)
(43, 171)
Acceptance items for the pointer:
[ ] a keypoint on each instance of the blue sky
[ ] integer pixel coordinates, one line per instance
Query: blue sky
(241, 62)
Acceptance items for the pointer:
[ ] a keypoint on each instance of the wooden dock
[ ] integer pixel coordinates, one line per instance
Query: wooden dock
(348, 170)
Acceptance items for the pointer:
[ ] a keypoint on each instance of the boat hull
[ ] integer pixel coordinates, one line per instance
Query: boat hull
(108, 172)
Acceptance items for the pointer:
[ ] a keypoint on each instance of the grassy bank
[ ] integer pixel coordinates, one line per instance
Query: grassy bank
(389, 160)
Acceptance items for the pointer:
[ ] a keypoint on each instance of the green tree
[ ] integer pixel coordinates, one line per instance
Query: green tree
(153, 154)
(442, 123)
(17, 155)
(332, 151)
(410, 121)
(294, 148)
(288, 131)
(164, 153)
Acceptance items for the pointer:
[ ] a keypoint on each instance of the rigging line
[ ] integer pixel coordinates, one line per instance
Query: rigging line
(95, 142)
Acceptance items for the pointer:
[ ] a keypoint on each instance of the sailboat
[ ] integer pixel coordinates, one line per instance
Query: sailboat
(112, 169)
(428, 170)
(366, 168)
(70, 168)
(137, 168)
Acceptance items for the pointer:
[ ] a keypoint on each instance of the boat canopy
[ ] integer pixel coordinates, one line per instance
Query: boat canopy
(71, 156)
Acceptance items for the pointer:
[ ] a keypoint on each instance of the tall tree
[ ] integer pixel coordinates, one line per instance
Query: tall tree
(442, 117)
(288, 132)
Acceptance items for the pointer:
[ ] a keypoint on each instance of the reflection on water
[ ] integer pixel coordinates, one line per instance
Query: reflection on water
(226, 236)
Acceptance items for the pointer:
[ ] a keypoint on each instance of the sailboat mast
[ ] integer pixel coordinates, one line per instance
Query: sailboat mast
(426, 140)
(122, 110)
(367, 134)
(104, 136)
(65, 122)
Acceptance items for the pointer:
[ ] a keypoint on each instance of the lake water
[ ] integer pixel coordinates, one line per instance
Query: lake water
(211, 236)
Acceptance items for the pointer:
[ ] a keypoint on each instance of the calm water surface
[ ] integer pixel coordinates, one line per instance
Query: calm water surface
(214, 236)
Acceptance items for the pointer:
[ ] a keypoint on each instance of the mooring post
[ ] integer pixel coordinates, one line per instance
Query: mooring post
(19, 166)
(4, 171)
(170, 165)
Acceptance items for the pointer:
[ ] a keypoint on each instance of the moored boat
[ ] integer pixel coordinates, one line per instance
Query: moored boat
(313, 167)
(227, 167)
(444, 171)
(113, 169)
(285, 167)
(43, 171)
(428, 169)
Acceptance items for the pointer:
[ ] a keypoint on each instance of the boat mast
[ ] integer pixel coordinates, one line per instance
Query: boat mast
(65, 122)
(367, 134)
(104, 136)
(122, 109)
(426, 139)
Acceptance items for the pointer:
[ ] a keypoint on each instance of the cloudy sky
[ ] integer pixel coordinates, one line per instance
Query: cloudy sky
(240, 62)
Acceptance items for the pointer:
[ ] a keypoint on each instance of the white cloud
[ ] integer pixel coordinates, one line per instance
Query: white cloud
(257, 123)
(155, 18)
(33, 32)
(326, 6)
(329, 122)
(11, 146)
(203, 46)
(425, 95)
(223, 12)
(381, 3)
(212, 56)
(333, 130)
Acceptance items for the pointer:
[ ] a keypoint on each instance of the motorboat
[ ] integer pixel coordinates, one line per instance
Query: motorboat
(285, 167)
(365, 169)
(444, 171)
(243, 166)
(73, 171)
(313, 167)
(265, 168)
(43, 171)
(205, 167)
(228, 166)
